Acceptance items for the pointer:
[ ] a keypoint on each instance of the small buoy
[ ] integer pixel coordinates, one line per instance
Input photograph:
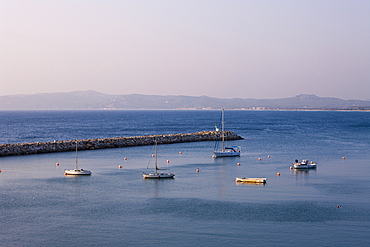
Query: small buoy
(343, 158)
(153, 155)
(168, 161)
(125, 158)
(339, 206)
(197, 170)
(120, 167)
(180, 152)
(213, 156)
(291, 167)
(0, 170)
(238, 164)
(259, 159)
(65, 173)
(57, 164)
(268, 156)
(278, 173)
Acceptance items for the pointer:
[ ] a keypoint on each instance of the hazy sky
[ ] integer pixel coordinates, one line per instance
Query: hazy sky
(217, 48)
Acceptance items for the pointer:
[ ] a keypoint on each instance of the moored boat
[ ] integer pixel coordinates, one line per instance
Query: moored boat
(225, 151)
(77, 171)
(250, 180)
(157, 174)
(304, 164)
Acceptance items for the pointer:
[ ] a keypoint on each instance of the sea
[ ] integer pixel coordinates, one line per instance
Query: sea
(327, 206)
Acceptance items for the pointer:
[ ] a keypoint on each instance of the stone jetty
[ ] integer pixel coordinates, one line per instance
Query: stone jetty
(115, 142)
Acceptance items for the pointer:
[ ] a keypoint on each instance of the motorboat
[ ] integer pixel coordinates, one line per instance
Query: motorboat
(157, 174)
(77, 171)
(250, 180)
(224, 151)
(304, 164)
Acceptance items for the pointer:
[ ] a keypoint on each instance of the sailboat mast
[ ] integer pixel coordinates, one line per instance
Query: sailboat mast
(222, 131)
(156, 159)
(76, 156)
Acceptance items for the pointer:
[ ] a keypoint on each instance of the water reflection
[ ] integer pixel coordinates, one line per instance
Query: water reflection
(303, 171)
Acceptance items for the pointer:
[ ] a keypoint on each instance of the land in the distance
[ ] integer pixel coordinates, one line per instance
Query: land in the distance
(92, 100)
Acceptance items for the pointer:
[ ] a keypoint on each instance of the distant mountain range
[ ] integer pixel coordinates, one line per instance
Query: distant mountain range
(91, 100)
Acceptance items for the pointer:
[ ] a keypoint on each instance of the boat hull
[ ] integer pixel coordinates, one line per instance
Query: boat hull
(250, 180)
(77, 172)
(299, 166)
(158, 175)
(226, 153)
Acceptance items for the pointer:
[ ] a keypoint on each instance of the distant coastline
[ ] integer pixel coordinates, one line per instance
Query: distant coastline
(91, 100)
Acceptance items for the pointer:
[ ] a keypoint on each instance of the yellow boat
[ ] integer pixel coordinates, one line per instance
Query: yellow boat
(250, 180)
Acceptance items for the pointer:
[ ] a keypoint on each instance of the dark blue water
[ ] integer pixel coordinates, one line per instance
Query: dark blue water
(116, 207)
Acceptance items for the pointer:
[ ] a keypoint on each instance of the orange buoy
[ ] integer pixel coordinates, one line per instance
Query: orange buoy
(259, 159)
(197, 170)
(338, 206)
(343, 158)
(213, 156)
(291, 167)
(238, 164)
(180, 152)
(0, 170)
(268, 156)
(168, 161)
(153, 155)
(57, 164)
(120, 167)
(278, 173)
(125, 158)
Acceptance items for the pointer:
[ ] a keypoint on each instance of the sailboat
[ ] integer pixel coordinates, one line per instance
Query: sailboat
(225, 151)
(77, 171)
(157, 174)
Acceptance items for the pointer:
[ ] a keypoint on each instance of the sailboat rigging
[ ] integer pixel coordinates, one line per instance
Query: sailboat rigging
(157, 174)
(225, 151)
(77, 171)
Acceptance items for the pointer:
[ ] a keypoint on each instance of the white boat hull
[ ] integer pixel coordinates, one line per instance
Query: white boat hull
(158, 175)
(77, 172)
(226, 154)
(250, 180)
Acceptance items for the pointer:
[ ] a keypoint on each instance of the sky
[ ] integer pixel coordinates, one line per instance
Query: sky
(262, 49)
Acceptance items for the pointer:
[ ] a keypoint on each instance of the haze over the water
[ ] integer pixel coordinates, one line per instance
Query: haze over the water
(217, 48)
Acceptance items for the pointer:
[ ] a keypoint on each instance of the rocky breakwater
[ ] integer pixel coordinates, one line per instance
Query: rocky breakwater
(115, 142)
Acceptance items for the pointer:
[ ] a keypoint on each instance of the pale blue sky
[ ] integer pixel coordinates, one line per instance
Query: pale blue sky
(217, 48)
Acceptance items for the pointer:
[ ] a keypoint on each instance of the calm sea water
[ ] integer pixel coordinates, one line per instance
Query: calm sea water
(115, 207)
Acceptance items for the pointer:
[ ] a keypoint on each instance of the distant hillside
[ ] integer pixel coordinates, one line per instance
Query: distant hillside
(91, 100)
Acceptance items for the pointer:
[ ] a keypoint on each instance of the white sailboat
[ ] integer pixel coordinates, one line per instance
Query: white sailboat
(77, 171)
(157, 174)
(225, 151)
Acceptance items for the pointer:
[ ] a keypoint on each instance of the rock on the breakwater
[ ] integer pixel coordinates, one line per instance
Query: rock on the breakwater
(115, 142)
